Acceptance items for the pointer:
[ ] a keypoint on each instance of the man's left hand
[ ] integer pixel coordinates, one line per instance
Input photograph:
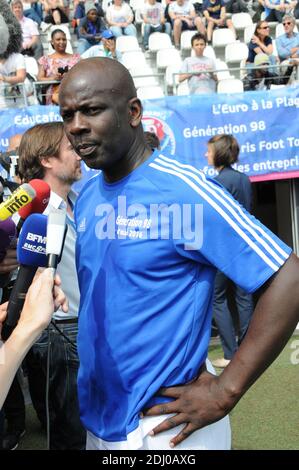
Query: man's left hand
(196, 405)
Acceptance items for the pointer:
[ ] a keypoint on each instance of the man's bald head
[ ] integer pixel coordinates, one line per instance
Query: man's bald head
(102, 74)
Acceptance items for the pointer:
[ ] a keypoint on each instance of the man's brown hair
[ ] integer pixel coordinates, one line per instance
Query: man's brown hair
(40, 141)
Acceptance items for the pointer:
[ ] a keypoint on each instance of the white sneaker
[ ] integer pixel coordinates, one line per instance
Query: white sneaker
(221, 363)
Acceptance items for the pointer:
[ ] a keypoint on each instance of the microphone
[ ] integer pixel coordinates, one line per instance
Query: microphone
(31, 253)
(56, 233)
(38, 204)
(18, 199)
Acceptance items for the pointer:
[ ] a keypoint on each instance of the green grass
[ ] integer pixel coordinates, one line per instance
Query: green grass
(267, 417)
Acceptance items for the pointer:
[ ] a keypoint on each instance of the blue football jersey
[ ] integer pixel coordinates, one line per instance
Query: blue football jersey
(148, 248)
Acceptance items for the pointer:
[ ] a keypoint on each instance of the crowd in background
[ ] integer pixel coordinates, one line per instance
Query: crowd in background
(96, 27)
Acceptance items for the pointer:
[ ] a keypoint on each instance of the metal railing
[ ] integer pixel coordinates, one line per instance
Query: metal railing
(20, 98)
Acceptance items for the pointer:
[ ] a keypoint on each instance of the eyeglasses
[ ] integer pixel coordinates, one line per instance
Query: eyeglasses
(264, 27)
(287, 23)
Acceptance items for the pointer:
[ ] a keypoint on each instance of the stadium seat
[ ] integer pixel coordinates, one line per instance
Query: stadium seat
(183, 88)
(127, 43)
(167, 57)
(230, 85)
(31, 66)
(223, 73)
(222, 37)
(132, 58)
(236, 52)
(186, 40)
(150, 92)
(143, 81)
(208, 52)
(241, 20)
(170, 70)
(64, 27)
(249, 32)
(159, 41)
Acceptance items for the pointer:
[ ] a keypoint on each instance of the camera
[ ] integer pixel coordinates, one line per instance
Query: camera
(63, 70)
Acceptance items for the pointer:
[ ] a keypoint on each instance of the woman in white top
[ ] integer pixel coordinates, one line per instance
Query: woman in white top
(120, 17)
(12, 72)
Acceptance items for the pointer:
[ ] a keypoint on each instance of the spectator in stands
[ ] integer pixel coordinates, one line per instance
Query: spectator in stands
(215, 14)
(183, 17)
(198, 69)
(236, 6)
(90, 29)
(12, 72)
(33, 9)
(120, 18)
(260, 43)
(154, 20)
(54, 66)
(288, 43)
(258, 6)
(31, 41)
(80, 12)
(55, 12)
(261, 78)
(223, 151)
(107, 48)
(274, 10)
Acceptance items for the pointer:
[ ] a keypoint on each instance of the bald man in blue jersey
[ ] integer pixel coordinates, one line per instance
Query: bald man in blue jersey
(151, 234)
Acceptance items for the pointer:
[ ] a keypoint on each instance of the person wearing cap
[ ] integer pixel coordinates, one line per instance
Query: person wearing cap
(260, 78)
(107, 48)
(80, 12)
(90, 28)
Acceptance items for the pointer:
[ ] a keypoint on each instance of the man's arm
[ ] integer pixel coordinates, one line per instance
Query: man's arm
(209, 398)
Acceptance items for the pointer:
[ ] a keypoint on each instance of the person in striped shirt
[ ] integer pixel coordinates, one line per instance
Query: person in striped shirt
(151, 233)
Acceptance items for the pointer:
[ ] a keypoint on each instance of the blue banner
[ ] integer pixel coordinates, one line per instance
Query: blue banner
(264, 123)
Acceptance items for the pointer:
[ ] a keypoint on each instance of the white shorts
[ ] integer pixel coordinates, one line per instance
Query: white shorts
(216, 436)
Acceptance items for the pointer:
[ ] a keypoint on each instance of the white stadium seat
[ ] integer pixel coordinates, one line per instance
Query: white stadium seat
(230, 85)
(132, 58)
(150, 92)
(170, 70)
(159, 41)
(186, 40)
(236, 52)
(223, 70)
(241, 20)
(127, 43)
(167, 57)
(249, 32)
(222, 37)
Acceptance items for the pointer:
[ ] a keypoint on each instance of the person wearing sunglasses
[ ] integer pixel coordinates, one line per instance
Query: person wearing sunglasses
(260, 43)
(288, 43)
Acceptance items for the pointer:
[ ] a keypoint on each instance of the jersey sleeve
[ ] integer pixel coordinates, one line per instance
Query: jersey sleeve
(216, 230)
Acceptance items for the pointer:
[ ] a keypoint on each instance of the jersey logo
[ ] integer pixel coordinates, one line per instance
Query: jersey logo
(82, 225)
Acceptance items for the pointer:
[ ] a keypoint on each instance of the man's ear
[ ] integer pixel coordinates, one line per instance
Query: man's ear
(46, 162)
(135, 111)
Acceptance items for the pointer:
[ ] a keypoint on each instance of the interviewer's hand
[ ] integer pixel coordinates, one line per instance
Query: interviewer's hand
(196, 405)
(42, 300)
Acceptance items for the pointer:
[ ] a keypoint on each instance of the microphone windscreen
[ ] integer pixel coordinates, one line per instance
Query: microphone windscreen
(41, 200)
(31, 249)
(8, 233)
